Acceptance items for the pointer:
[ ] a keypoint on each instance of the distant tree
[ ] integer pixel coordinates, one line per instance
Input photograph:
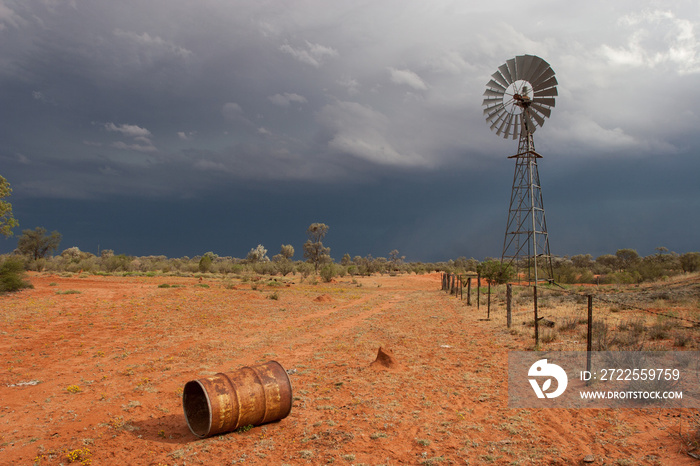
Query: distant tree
(258, 254)
(7, 221)
(608, 261)
(690, 261)
(627, 258)
(346, 260)
(496, 271)
(283, 263)
(314, 251)
(396, 260)
(37, 244)
(287, 251)
(582, 261)
(206, 262)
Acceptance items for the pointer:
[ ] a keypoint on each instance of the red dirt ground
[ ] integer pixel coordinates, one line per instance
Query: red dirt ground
(93, 369)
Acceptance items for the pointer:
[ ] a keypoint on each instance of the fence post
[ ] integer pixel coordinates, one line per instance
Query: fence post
(537, 320)
(443, 281)
(469, 291)
(488, 303)
(509, 295)
(478, 290)
(589, 339)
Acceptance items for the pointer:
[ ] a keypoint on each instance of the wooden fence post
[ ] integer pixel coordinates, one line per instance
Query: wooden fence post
(537, 320)
(488, 303)
(509, 296)
(589, 339)
(478, 290)
(469, 291)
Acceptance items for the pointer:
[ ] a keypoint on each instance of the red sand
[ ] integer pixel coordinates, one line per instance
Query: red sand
(93, 371)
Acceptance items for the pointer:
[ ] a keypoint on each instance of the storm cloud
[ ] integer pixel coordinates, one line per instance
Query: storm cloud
(363, 115)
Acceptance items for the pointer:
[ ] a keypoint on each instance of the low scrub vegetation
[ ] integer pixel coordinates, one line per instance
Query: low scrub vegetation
(624, 267)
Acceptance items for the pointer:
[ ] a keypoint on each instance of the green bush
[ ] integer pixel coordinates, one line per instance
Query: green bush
(331, 270)
(12, 276)
(205, 263)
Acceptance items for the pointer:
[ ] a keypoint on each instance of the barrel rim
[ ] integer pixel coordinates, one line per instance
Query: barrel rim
(209, 413)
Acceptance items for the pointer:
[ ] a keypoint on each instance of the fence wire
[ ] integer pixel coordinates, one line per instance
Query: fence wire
(603, 297)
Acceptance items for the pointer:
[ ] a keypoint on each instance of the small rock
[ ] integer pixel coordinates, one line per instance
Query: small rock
(589, 459)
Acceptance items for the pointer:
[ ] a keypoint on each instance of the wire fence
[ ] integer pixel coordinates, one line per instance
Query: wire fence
(455, 284)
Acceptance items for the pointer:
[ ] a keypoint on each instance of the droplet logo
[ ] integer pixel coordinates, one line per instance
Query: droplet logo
(543, 369)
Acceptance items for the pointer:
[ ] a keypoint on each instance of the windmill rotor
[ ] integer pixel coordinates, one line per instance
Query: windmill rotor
(520, 96)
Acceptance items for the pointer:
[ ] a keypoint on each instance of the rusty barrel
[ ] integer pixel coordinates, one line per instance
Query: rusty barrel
(249, 396)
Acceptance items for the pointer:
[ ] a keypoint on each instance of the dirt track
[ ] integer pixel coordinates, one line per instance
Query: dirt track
(109, 357)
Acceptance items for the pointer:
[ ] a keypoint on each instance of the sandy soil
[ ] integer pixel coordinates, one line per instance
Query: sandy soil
(93, 369)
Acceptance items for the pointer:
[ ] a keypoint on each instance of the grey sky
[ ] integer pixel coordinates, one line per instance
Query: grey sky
(296, 104)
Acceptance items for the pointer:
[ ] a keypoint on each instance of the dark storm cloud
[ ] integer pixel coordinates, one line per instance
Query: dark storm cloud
(304, 106)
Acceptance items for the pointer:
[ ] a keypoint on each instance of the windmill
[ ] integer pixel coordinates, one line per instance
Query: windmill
(518, 98)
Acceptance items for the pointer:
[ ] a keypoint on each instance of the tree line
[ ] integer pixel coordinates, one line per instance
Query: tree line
(36, 251)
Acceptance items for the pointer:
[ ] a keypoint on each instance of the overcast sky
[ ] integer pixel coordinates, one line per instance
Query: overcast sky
(180, 127)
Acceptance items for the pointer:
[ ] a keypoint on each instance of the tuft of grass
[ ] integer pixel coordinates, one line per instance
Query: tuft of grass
(659, 331)
(68, 292)
(548, 335)
(274, 296)
(569, 323)
(681, 339)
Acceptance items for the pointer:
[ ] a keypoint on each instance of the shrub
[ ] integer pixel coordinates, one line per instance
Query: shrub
(205, 263)
(305, 268)
(331, 270)
(12, 276)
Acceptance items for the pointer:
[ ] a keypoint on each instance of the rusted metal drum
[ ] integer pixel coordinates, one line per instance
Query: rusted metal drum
(249, 396)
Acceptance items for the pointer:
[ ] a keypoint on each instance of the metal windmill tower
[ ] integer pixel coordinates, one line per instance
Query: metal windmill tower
(518, 98)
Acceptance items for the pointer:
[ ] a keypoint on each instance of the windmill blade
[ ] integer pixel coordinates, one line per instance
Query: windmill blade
(529, 124)
(494, 113)
(537, 117)
(492, 93)
(522, 65)
(512, 69)
(491, 102)
(499, 77)
(503, 124)
(537, 69)
(498, 120)
(545, 80)
(494, 85)
(509, 125)
(516, 126)
(531, 63)
(543, 110)
(552, 91)
(490, 109)
(544, 101)
(506, 74)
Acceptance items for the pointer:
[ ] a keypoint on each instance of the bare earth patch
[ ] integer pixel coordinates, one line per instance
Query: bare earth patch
(93, 369)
